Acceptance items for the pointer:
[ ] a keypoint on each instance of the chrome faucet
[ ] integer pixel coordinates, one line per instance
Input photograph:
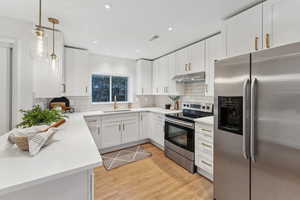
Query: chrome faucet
(115, 103)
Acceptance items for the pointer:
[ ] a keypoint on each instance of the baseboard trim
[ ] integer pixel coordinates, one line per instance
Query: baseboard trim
(205, 174)
(127, 145)
(123, 146)
(157, 145)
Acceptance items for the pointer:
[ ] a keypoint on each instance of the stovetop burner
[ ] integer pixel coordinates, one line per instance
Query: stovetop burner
(193, 111)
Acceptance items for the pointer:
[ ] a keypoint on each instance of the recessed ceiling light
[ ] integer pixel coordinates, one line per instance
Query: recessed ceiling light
(170, 29)
(95, 42)
(107, 6)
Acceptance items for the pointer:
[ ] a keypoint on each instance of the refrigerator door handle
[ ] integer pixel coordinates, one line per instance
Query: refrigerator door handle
(245, 130)
(252, 119)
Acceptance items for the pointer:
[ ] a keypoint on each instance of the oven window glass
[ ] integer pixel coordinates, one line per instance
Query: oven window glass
(180, 136)
(231, 114)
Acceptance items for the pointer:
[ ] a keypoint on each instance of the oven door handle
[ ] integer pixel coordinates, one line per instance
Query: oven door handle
(184, 124)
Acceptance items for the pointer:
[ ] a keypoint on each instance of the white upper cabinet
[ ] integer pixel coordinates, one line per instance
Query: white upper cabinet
(181, 61)
(244, 32)
(164, 74)
(213, 52)
(155, 78)
(77, 73)
(48, 79)
(173, 87)
(196, 57)
(191, 59)
(281, 22)
(144, 77)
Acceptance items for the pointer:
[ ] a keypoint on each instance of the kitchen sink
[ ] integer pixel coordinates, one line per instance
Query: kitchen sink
(116, 111)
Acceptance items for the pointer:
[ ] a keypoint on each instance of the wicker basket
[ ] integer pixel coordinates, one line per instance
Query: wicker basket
(22, 141)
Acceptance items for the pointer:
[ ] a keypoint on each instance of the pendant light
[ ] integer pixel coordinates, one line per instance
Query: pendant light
(40, 45)
(53, 57)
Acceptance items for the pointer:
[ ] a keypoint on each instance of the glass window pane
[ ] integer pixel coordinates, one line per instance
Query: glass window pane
(100, 88)
(119, 88)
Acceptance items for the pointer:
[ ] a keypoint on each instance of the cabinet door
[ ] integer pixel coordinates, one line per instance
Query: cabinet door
(144, 77)
(139, 77)
(147, 77)
(130, 129)
(144, 125)
(173, 88)
(196, 57)
(111, 133)
(94, 127)
(181, 61)
(244, 32)
(164, 74)
(213, 52)
(77, 72)
(158, 129)
(281, 22)
(155, 77)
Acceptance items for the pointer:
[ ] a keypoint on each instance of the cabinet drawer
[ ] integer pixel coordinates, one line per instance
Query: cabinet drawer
(205, 149)
(205, 165)
(206, 135)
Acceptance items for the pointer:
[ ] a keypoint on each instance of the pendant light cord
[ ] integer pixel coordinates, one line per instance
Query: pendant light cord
(53, 37)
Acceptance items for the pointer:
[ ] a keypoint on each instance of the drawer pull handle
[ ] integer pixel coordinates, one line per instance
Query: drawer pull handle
(206, 135)
(206, 163)
(202, 129)
(206, 145)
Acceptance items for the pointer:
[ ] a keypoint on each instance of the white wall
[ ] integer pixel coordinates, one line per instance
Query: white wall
(100, 64)
(19, 33)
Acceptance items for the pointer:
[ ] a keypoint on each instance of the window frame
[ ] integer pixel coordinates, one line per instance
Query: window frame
(110, 89)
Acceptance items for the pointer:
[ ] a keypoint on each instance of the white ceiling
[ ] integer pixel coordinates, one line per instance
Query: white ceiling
(125, 29)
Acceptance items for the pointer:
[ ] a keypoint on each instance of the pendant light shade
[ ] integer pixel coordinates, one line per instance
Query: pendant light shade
(39, 47)
(53, 56)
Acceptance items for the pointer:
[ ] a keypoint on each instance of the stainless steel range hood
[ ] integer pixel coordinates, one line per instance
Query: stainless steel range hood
(190, 78)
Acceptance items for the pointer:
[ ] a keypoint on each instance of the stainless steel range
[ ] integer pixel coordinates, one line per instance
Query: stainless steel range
(180, 133)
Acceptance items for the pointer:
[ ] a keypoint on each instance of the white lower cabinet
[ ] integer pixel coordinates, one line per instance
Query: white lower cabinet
(130, 131)
(145, 128)
(157, 130)
(204, 149)
(111, 132)
(94, 124)
(119, 129)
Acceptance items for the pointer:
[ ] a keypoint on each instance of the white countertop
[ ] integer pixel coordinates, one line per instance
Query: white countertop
(205, 120)
(133, 110)
(73, 150)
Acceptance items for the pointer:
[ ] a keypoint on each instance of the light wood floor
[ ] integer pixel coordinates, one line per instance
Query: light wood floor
(156, 178)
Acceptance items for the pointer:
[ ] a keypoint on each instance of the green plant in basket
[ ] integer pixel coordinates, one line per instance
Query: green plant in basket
(36, 116)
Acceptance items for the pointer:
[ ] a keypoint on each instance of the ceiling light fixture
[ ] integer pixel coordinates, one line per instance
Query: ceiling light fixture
(107, 6)
(95, 42)
(53, 56)
(170, 29)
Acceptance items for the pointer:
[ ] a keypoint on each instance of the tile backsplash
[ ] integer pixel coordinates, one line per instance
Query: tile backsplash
(192, 92)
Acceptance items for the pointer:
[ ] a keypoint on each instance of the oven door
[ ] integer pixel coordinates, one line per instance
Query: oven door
(180, 133)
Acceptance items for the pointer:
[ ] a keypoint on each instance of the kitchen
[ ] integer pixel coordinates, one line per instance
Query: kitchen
(173, 108)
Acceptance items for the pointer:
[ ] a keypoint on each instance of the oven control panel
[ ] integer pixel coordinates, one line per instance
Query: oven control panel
(203, 107)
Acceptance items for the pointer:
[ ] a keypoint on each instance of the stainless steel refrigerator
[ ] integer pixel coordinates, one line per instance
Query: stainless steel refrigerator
(257, 126)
